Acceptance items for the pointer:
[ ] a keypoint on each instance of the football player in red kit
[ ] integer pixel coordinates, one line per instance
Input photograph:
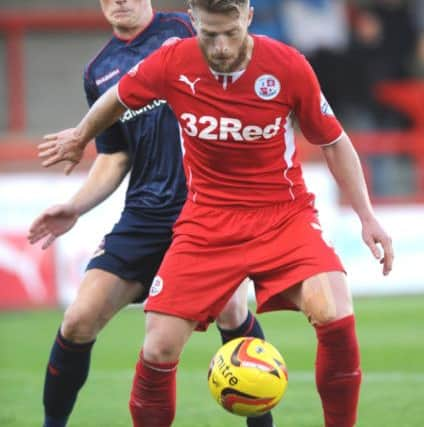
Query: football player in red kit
(248, 212)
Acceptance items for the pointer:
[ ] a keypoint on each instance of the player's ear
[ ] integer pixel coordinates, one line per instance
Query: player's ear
(250, 16)
(192, 18)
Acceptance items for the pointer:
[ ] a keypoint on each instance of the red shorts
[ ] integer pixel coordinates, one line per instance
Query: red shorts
(214, 249)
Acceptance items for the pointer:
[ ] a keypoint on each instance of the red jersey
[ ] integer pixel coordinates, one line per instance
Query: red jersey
(238, 140)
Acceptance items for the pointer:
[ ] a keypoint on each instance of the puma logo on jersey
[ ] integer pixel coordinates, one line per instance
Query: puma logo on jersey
(225, 128)
(186, 80)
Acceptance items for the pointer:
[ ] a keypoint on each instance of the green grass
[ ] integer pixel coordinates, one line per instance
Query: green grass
(391, 334)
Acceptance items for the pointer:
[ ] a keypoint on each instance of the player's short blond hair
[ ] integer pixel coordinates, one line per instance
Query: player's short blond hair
(218, 6)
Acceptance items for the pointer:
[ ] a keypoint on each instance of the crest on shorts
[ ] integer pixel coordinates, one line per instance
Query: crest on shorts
(267, 87)
(156, 287)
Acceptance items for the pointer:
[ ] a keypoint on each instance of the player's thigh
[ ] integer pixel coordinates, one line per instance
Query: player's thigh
(235, 311)
(165, 337)
(323, 298)
(100, 296)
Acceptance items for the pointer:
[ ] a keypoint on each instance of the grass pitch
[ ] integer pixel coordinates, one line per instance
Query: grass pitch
(391, 334)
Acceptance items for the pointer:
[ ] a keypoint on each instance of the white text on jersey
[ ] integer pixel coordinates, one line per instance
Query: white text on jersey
(214, 129)
(130, 114)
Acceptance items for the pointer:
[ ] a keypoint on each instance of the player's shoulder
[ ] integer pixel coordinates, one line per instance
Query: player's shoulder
(282, 59)
(273, 48)
(177, 49)
(104, 52)
(179, 20)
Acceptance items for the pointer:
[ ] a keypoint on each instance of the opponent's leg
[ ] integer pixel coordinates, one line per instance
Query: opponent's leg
(326, 301)
(236, 321)
(153, 395)
(100, 296)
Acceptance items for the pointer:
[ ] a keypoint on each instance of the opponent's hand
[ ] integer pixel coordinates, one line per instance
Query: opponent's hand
(52, 223)
(63, 146)
(376, 239)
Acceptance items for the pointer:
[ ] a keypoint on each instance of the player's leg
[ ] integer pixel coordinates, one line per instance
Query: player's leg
(235, 321)
(153, 395)
(302, 270)
(100, 296)
(326, 300)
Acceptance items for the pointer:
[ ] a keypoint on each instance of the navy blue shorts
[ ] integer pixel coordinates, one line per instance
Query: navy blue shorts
(135, 247)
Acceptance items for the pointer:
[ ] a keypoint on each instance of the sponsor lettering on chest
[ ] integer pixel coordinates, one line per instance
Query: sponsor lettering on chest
(226, 128)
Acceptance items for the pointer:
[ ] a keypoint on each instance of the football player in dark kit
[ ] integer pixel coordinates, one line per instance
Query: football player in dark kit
(147, 143)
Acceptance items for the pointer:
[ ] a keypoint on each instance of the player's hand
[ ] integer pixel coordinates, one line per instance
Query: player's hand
(52, 223)
(63, 146)
(376, 239)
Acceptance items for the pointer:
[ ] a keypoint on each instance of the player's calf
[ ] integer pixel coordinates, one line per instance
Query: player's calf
(338, 372)
(153, 394)
(66, 373)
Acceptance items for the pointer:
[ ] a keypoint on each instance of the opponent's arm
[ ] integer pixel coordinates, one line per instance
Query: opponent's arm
(344, 164)
(105, 175)
(68, 145)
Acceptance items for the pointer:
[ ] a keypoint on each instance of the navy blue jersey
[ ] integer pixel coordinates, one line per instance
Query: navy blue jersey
(150, 135)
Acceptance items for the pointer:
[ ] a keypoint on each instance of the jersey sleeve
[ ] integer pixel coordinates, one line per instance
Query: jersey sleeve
(111, 140)
(314, 114)
(145, 81)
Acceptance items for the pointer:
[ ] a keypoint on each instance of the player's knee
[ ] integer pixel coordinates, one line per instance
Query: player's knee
(233, 314)
(79, 326)
(160, 349)
(165, 337)
(326, 298)
(318, 305)
(321, 314)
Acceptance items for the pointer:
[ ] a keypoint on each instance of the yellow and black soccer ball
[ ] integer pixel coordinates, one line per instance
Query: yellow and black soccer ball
(247, 376)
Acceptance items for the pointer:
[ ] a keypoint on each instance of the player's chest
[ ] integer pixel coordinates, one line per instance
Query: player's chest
(247, 110)
(121, 58)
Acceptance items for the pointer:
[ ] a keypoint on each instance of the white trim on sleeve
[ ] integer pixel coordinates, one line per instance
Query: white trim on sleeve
(119, 97)
(334, 141)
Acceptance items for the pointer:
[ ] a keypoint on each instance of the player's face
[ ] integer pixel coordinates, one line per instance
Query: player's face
(125, 15)
(223, 38)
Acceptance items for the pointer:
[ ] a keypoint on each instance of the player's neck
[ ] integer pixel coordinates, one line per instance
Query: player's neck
(130, 32)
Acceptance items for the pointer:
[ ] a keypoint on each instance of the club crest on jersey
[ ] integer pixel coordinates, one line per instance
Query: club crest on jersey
(267, 87)
(325, 107)
(170, 41)
(133, 71)
(156, 287)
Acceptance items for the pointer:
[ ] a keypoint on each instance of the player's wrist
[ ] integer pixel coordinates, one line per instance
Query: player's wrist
(81, 137)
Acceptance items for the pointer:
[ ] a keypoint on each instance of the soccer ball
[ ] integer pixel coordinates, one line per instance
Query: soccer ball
(247, 376)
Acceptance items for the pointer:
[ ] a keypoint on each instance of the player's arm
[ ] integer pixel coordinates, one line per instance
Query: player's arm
(68, 145)
(142, 84)
(343, 162)
(105, 175)
(322, 128)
